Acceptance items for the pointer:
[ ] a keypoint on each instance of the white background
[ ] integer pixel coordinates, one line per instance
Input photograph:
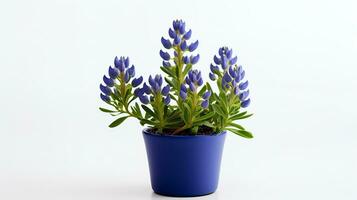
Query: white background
(299, 56)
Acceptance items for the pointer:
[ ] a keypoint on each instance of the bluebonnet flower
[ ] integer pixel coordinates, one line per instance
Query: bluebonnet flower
(113, 72)
(186, 59)
(144, 99)
(183, 46)
(105, 89)
(166, 43)
(166, 64)
(183, 92)
(104, 97)
(194, 79)
(167, 100)
(194, 59)
(147, 93)
(205, 97)
(225, 58)
(245, 103)
(108, 81)
(233, 75)
(164, 55)
(121, 63)
(204, 104)
(121, 71)
(178, 40)
(207, 94)
(172, 33)
(187, 36)
(137, 81)
(165, 91)
(212, 76)
(193, 46)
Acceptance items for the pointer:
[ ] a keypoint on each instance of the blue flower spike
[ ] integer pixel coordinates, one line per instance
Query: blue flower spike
(232, 75)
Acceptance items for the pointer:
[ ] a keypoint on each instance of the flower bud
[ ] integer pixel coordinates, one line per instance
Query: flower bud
(195, 59)
(244, 95)
(167, 100)
(127, 76)
(165, 90)
(216, 60)
(166, 43)
(233, 60)
(245, 103)
(206, 95)
(183, 95)
(104, 98)
(187, 36)
(204, 104)
(137, 81)
(131, 71)
(172, 33)
(186, 60)
(227, 78)
(243, 86)
(214, 68)
(229, 53)
(164, 55)
(144, 99)
(183, 46)
(105, 89)
(193, 46)
(126, 62)
(113, 72)
(108, 81)
(212, 76)
(177, 40)
(166, 64)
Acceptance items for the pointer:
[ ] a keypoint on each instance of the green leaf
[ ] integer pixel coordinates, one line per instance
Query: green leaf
(186, 113)
(187, 68)
(117, 122)
(148, 111)
(168, 71)
(107, 111)
(205, 117)
(203, 89)
(236, 126)
(169, 82)
(240, 116)
(138, 110)
(145, 121)
(243, 133)
(206, 123)
(218, 110)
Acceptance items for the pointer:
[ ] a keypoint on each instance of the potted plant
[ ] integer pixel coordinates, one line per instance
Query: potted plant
(186, 120)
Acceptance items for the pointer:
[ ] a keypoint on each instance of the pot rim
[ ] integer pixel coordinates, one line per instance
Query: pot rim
(145, 131)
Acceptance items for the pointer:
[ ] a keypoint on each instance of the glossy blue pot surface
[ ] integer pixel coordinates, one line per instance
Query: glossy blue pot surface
(184, 165)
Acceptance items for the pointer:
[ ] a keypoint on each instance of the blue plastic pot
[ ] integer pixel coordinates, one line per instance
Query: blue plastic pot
(184, 166)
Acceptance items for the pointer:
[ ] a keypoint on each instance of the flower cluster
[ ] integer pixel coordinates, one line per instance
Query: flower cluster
(121, 73)
(179, 42)
(193, 81)
(233, 75)
(148, 93)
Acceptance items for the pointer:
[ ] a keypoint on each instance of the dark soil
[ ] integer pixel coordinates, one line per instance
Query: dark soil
(202, 130)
